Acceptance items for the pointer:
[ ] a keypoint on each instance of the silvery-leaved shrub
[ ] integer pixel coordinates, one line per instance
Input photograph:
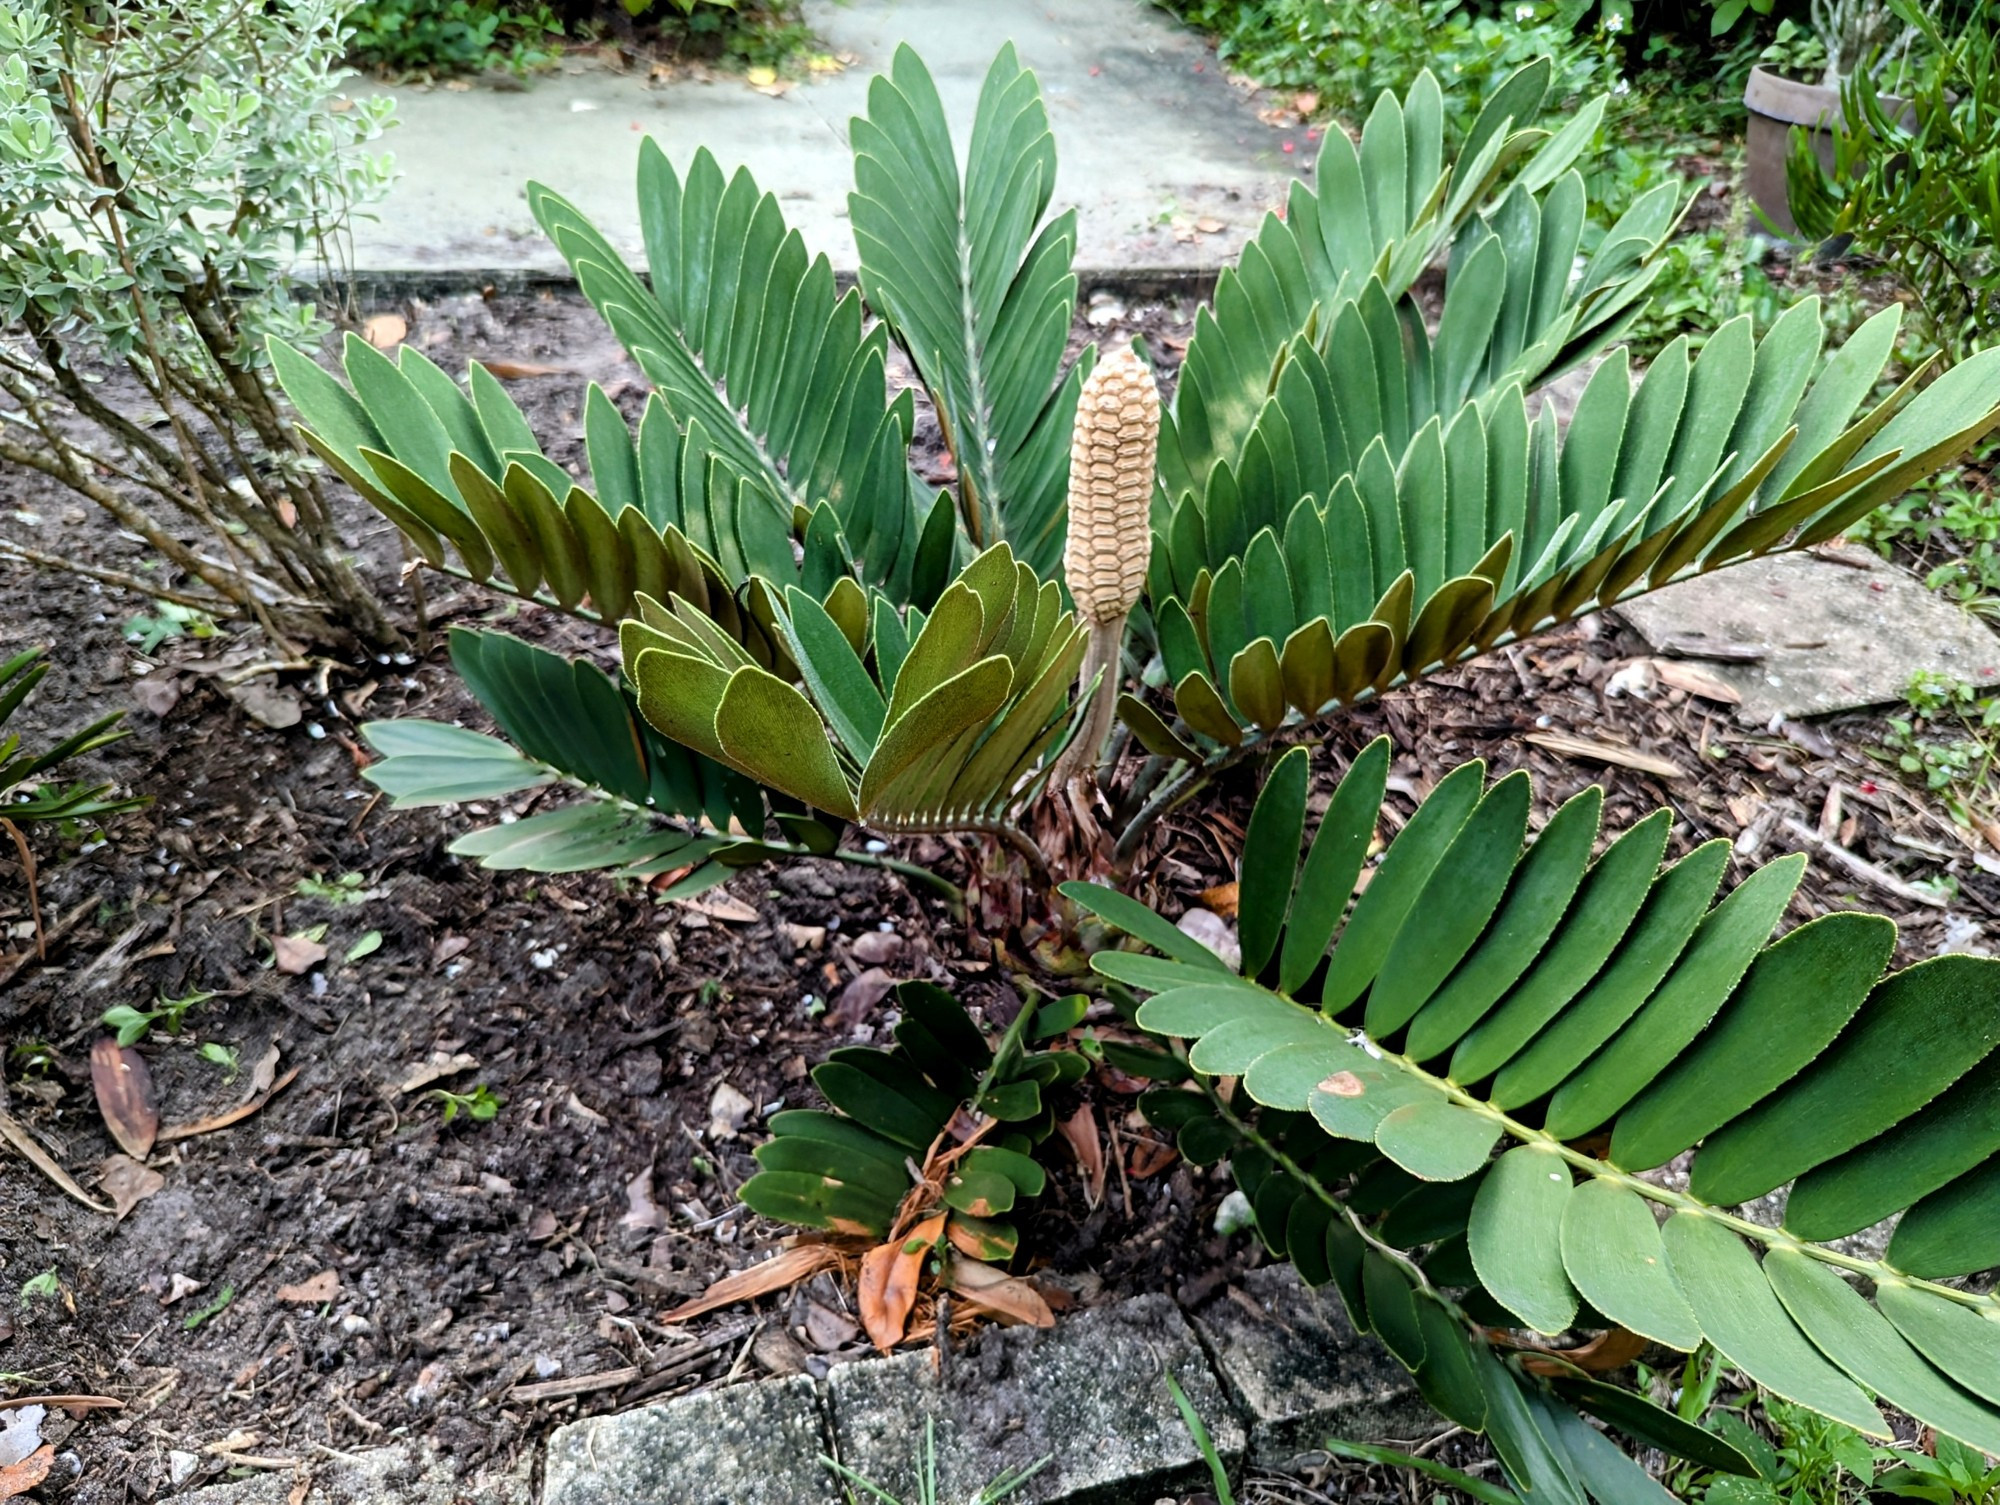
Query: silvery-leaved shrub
(167, 169)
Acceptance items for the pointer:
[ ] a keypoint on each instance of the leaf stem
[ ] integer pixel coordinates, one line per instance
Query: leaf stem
(1666, 1196)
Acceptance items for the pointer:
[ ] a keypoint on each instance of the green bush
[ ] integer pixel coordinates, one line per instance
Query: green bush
(428, 38)
(438, 38)
(1349, 51)
(1920, 187)
(164, 169)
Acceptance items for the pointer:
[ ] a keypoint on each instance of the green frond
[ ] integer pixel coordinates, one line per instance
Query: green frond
(745, 338)
(847, 1169)
(1475, 1083)
(1314, 573)
(977, 287)
(1379, 213)
(902, 721)
(648, 806)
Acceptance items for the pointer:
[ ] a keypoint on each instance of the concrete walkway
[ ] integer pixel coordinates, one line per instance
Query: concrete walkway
(1148, 132)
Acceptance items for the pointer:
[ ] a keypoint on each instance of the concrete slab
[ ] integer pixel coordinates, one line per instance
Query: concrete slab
(408, 1475)
(746, 1445)
(1145, 124)
(1091, 1394)
(1300, 1373)
(1835, 636)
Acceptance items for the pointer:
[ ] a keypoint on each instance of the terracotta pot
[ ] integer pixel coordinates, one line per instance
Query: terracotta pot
(1776, 104)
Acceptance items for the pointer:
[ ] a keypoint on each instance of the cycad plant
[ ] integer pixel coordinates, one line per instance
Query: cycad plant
(819, 648)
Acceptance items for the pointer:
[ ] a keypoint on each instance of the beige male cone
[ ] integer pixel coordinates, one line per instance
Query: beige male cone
(1110, 534)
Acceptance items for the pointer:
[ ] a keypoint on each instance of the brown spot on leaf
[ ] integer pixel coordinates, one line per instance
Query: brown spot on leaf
(1343, 1084)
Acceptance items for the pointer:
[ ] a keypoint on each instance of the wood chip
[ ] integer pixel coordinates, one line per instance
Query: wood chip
(64, 1402)
(1583, 748)
(18, 1478)
(1708, 685)
(385, 331)
(1222, 899)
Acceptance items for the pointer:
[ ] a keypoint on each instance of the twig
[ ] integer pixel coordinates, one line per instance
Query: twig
(34, 893)
(1861, 868)
(152, 588)
(234, 1115)
(585, 1384)
(64, 1402)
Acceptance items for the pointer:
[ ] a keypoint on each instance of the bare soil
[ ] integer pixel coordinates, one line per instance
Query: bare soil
(469, 1260)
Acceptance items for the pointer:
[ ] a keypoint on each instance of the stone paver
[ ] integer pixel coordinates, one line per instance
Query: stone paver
(1299, 1372)
(1091, 1393)
(746, 1445)
(404, 1475)
(1835, 636)
(1145, 125)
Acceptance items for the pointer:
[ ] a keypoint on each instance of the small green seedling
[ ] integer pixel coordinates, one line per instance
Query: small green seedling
(43, 1287)
(367, 945)
(1957, 1474)
(1218, 1472)
(480, 1105)
(32, 1057)
(348, 888)
(133, 1025)
(215, 1308)
(992, 1493)
(224, 1056)
(168, 619)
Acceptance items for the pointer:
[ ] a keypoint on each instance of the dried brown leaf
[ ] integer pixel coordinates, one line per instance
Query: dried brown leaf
(18, 1478)
(316, 1290)
(641, 1211)
(295, 955)
(125, 1097)
(1678, 674)
(778, 1274)
(719, 906)
(1086, 1142)
(128, 1183)
(16, 1134)
(442, 1063)
(1006, 1296)
(1563, 744)
(508, 370)
(234, 1115)
(1611, 1349)
(890, 1274)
